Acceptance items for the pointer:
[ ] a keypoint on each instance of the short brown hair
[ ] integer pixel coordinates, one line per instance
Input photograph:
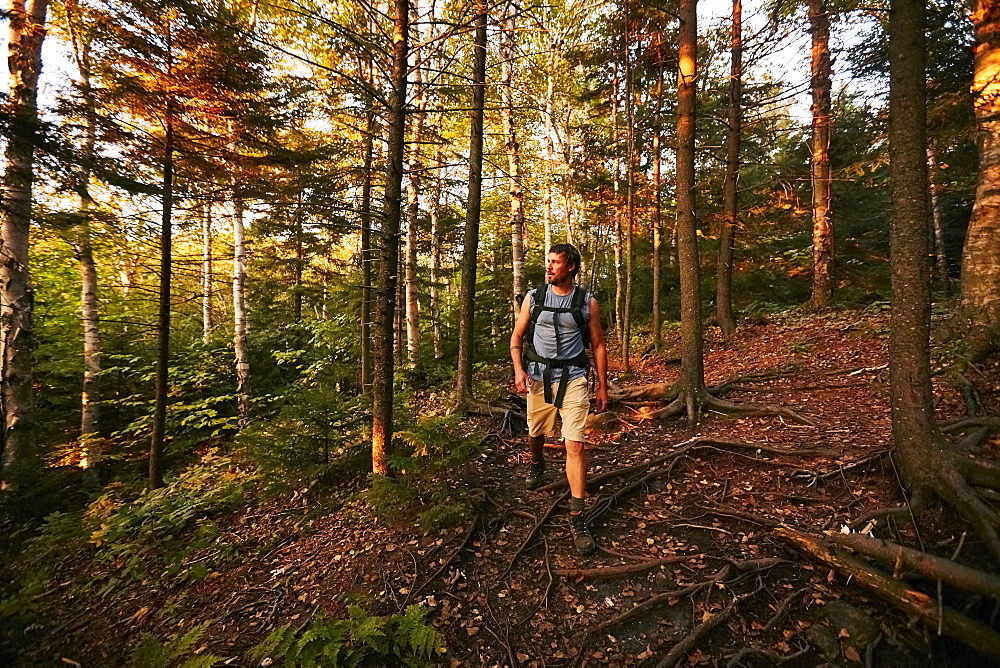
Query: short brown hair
(570, 254)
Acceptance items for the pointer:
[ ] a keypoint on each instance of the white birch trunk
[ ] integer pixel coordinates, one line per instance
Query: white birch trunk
(240, 347)
(207, 323)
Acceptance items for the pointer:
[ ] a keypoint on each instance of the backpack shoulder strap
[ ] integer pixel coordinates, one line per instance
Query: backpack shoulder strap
(576, 308)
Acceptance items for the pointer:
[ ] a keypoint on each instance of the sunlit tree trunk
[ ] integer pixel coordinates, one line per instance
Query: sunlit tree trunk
(508, 24)
(90, 315)
(240, 344)
(730, 194)
(398, 316)
(691, 382)
(822, 247)
(630, 166)
(415, 172)
(549, 141)
(981, 254)
(207, 315)
(467, 296)
(366, 256)
(657, 155)
(382, 397)
(17, 445)
(616, 213)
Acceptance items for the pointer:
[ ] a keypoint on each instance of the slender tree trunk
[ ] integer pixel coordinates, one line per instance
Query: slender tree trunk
(822, 248)
(626, 353)
(415, 172)
(940, 252)
(657, 255)
(207, 319)
(730, 194)
(382, 397)
(617, 213)
(507, 31)
(691, 382)
(163, 320)
(299, 268)
(398, 319)
(17, 445)
(549, 145)
(90, 315)
(435, 259)
(981, 254)
(366, 257)
(240, 343)
(467, 296)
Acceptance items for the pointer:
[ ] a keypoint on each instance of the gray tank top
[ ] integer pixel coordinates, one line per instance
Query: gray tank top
(557, 334)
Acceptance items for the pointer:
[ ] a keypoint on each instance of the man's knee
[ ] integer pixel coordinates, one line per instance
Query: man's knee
(574, 448)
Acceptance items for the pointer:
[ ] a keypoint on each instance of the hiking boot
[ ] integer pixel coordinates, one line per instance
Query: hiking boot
(536, 476)
(582, 539)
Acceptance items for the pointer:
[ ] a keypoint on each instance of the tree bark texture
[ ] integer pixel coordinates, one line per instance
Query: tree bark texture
(981, 254)
(467, 295)
(822, 246)
(730, 192)
(240, 342)
(163, 308)
(207, 316)
(630, 166)
(508, 26)
(415, 173)
(435, 259)
(366, 256)
(940, 252)
(657, 253)
(915, 431)
(692, 378)
(385, 292)
(17, 445)
(548, 118)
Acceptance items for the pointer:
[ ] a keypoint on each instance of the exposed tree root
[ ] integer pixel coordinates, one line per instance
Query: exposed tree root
(693, 404)
(578, 574)
(450, 560)
(897, 556)
(973, 402)
(963, 423)
(783, 607)
(769, 655)
(534, 532)
(912, 602)
(680, 650)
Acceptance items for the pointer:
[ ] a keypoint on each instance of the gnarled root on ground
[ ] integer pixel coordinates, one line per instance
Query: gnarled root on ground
(897, 593)
(697, 402)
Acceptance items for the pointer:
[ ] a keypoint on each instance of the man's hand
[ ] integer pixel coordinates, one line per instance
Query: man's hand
(521, 381)
(601, 400)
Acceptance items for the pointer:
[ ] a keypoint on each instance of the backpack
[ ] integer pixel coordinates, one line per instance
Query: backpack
(550, 363)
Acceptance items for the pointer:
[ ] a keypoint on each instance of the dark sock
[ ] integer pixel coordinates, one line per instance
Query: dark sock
(538, 466)
(576, 505)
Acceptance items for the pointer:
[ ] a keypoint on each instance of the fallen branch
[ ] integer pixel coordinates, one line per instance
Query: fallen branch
(448, 562)
(659, 599)
(776, 617)
(963, 577)
(578, 574)
(910, 601)
(680, 650)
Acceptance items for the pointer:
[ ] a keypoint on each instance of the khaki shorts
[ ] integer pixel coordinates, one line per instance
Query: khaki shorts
(576, 405)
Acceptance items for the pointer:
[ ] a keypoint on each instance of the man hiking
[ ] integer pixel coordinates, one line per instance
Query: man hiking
(555, 324)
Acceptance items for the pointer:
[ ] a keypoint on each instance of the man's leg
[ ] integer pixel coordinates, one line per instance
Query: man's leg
(541, 420)
(576, 469)
(536, 472)
(574, 415)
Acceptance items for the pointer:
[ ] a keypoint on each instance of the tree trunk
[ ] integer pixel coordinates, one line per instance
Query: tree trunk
(507, 31)
(691, 383)
(90, 315)
(730, 195)
(467, 296)
(822, 249)
(940, 253)
(299, 267)
(657, 259)
(549, 145)
(366, 257)
(207, 321)
(981, 254)
(435, 259)
(163, 320)
(616, 214)
(630, 166)
(17, 438)
(415, 173)
(240, 345)
(385, 292)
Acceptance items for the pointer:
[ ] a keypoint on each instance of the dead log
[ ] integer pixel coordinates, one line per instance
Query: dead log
(910, 601)
(897, 556)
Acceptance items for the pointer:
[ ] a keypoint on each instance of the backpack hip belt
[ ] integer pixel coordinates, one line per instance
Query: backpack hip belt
(550, 363)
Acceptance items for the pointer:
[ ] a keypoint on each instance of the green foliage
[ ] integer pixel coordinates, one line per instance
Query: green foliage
(154, 653)
(162, 528)
(406, 638)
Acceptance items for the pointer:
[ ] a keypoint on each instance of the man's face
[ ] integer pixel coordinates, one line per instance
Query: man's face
(557, 270)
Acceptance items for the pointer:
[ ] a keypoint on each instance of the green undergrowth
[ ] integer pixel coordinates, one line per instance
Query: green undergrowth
(125, 537)
(359, 639)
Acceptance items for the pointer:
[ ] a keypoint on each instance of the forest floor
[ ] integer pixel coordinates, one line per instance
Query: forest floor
(676, 549)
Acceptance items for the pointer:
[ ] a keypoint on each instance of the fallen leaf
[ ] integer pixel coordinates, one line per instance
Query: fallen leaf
(472, 630)
(852, 654)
